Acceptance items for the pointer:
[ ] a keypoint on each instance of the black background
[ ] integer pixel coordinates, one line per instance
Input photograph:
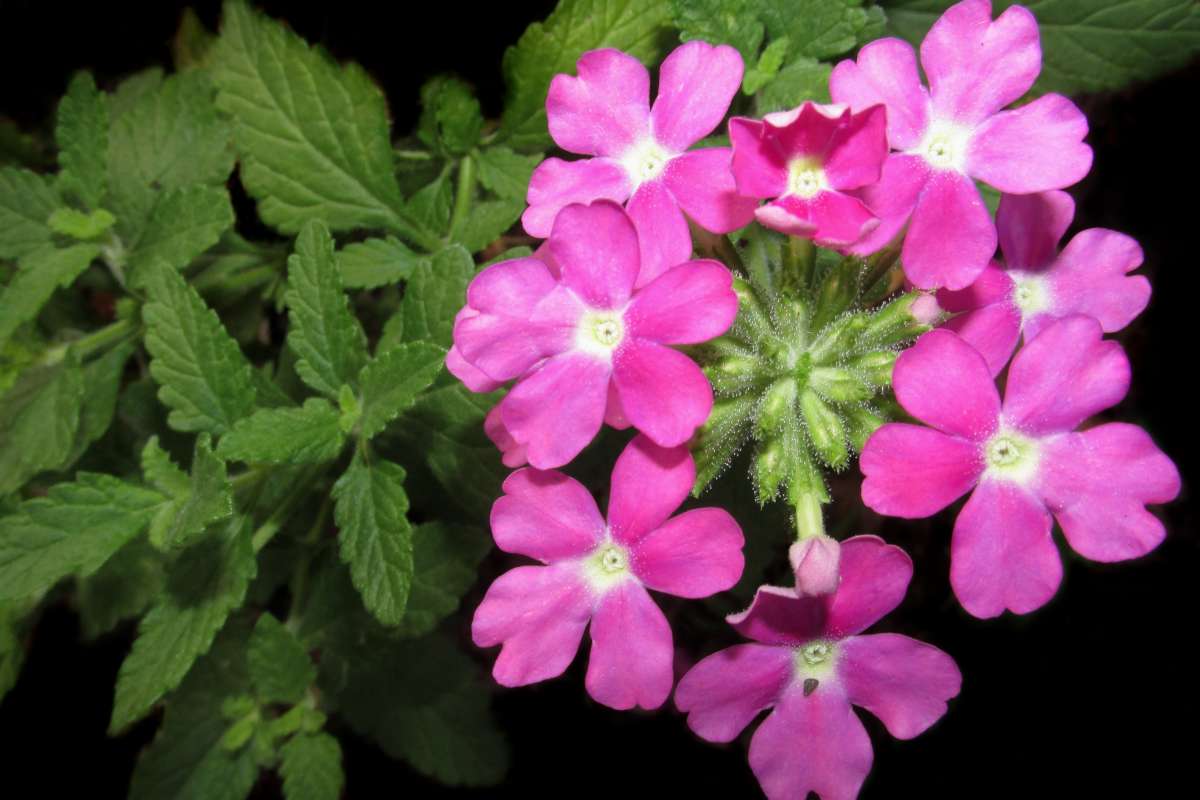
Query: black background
(1093, 695)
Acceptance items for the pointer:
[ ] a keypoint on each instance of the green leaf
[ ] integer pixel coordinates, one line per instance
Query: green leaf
(430, 205)
(546, 48)
(1087, 45)
(392, 381)
(183, 224)
(311, 766)
(279, 666)
(313, 137)
(161, 472)
(732, 22)
(101, 385)
(79, 225)
(26, 201)
(204, 378)
(451, 119)
(803, 79)
(376, 262)
(74, 529)
(328, 339)
(374, 535)
(445, 559)
(487, 221)
(434, 294)
(817, 28)
(767, 67)
(42, 271)
(39, 418)
(12, 651)
(204, 585)
(208, 499)
(121, 589)
(505, 173)
(308, 435)
(82, 137)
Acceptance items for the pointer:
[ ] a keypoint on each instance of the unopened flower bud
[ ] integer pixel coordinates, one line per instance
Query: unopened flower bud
(815, 562)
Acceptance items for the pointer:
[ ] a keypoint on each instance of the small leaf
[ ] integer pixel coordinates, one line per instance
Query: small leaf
(101, 385)
(488, 220)
(183, 224)
(445, 559)
(731, 22)
(505, 173)
(279, 666)
(121, 589)
(209, 499)
(311, 766)
(79, 225)
(451, 119)
(376, 262)
(42, 272)
(82, 137)
(392, 381)
(307, 435)
(435, 293)
(39, 419)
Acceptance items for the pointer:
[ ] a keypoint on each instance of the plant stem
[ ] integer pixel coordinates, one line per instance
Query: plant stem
(462, 194)
(810, 521)
(97, 340)
(799, 261)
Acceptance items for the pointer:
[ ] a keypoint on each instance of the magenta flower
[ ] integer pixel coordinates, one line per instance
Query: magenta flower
(808, 159)
(585, 345)
(1023, 460)
(598, 572)
(810, 665)
(639, 150)
(956, 131)
(1038, 285)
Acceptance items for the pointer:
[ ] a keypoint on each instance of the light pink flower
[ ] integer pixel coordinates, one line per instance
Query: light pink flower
(1023, 460)
(640, 151)
(810, 664)
(808, 159)
(1038, 285)
(956, 131)
(815, 563)
(597, 571)
(587, 346)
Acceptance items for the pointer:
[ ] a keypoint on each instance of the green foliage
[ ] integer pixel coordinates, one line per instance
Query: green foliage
(183, 224)
(41, 272)
(39, 420)
(445, 558)
(26, 202)
(307, 435)
(376, 262)
(82, 137)
(279, 667)
(311, 767)
(434, 295)
(392, 381)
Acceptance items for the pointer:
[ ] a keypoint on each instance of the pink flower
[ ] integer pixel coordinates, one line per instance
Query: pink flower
(808, 159)
(1023, 460)
(598, 572)
(815, 563)
(1038, 285)
(640, 150)
(956, 131)
(810, 665)
(585, 345)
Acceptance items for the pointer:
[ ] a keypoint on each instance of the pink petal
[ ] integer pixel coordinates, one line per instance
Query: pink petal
(1001, 555)
(885, 72)
(830, 218)
(912, 472)
(604, 110)
(556, 184)
(857, 150)
(687, 304)
(648, 483)
(614, 413)
(724, 692)
(546, 515)
(811, 744)
(992, 330)
(472, 377)
(951, 237)
(904, 682)
(794, 219)
(696, 83)
(875, 576)
(695, 554)
(1064, 375)
(664, 393)
(1098, 483)
(975, 66)
(759, 166)
(632, 653)
(664, 240)
(512, 453)
(892, 199)
(992, 286)
(557, 410)
(1090, 277)
(1033, 148)
(538, 614)
(804, 131)
(943, 381)
(1031, 226)
(596, 247)
(702, 183)
(777, 616)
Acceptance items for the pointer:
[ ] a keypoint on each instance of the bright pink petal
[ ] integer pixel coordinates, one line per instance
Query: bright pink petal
(546, 515)
(1067, 373)
(885, 72)
(663, 236)
(512, 453)
(648, 483)
(632, 653)
(992, 286)
(875, 576)
(702, 183)
(664, 393)
(792, 218)
(912, 472)
(950, 237)
(992, 330)
(695, 554)
(1033, 148)
(557, 410)
(696, 83)
(944, 382)
(1090, 277)
(1031, 226)
(724, 692)
(759, 165)
(807, 130)
(604, 110)
(1001, 555)
(538, 614)
(811, 744)
(904, 682)
(1098, 483)
(596, 247)
(687, 304)
(830, 218)
(857, 150)
(472, 377)
(975, 66)
(556, 184)
(777, 616)
(614, 413)
(892, 199)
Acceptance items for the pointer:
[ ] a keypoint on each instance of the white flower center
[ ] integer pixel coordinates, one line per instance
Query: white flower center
(817, 653)
(645, 161)
(1031, 293)
(607, 566)
(1011, 456)
(814, 663)
(806, 178)
(945, 145)
(600, 332)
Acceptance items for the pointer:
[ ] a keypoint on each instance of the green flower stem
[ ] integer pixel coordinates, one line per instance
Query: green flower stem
(462, 194)
(109, 335)
(238, 282)
(799, 261)
(810, 521)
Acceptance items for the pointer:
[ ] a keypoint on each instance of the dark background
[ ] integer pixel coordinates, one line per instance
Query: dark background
(1093, 695)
